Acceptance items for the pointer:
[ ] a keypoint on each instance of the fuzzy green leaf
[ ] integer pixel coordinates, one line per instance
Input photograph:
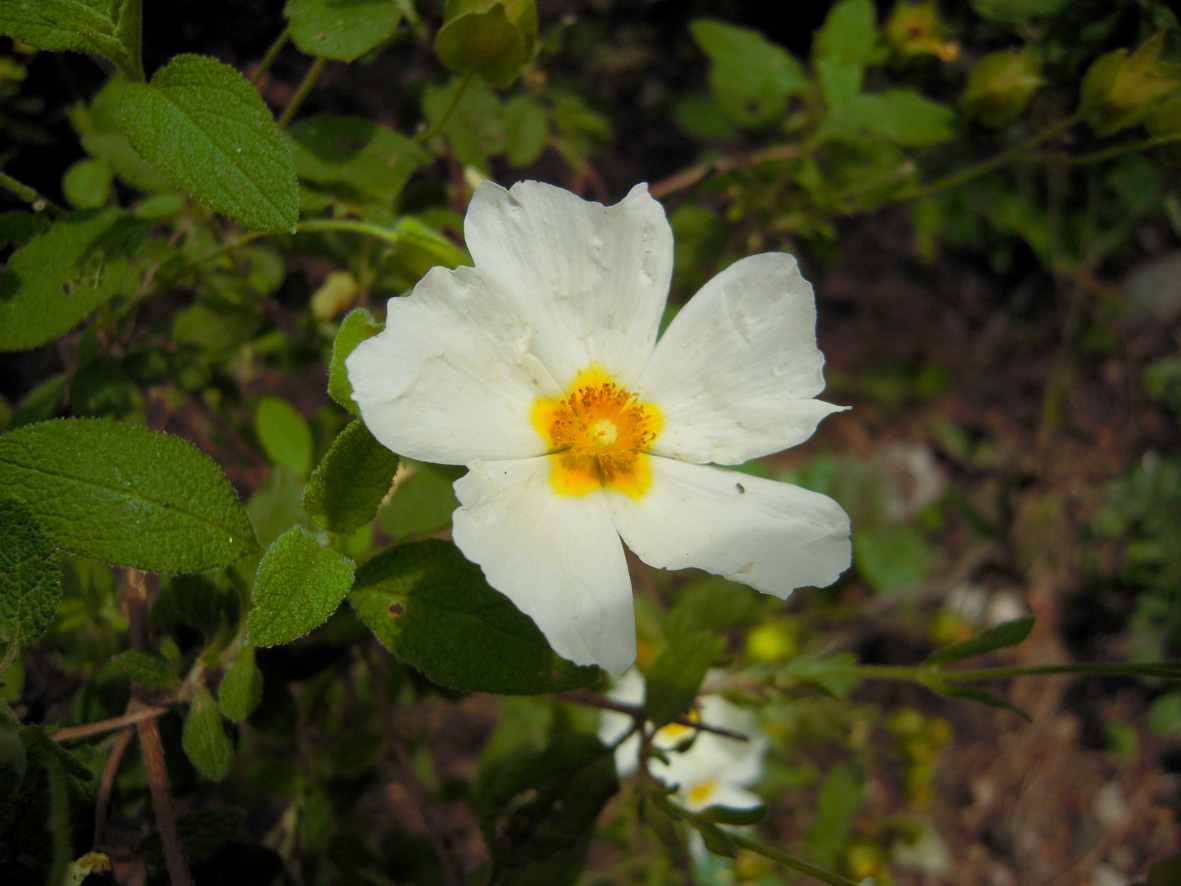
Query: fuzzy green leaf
(343, 30)
(726, 815)
(354, 159)
(204, 738)
(298, 585)
(30, 576)
(241, 687)
(108, 27)
(495, 37)
(150, 669)
(434, 609)
(1008, 633)
(205, 127)
(357, 325)
(126, 495)
(61, 276)
(348, 485)
(284, 434)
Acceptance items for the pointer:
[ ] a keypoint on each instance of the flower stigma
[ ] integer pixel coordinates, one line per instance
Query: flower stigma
(600, 434)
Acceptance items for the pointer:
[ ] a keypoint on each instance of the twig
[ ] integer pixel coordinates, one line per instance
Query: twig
(637, 713)
(272, 54)
(302, 91)
(687, 178)
(106, 783)
(438, 125)
(30, 195)
(151, 747)
(132, 718)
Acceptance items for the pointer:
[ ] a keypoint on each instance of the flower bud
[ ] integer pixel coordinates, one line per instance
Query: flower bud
(1000, 86)
(1121, 90)
(915, 29)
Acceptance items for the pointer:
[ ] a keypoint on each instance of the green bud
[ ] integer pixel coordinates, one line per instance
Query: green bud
(1121, 90)
(915, 29)
(1000, 86)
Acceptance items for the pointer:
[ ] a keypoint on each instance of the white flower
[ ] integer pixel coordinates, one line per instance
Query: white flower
(715, 770)
(539, 370)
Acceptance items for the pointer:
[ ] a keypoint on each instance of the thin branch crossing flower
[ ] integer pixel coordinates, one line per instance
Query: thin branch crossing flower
(540, 370)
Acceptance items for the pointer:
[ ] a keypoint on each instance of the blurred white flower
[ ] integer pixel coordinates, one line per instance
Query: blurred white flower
(539, 370)
(715, 770)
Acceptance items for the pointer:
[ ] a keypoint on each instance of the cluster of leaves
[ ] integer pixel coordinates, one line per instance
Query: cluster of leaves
(133, 574)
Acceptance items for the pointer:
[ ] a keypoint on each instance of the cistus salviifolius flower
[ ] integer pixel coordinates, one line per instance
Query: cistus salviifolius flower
(539, 369)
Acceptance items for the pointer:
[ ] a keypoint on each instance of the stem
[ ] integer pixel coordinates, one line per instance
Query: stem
(1106, 153)
(920, 674)
(272, 54)
(637, 713)
(346, 224)
(687, 178)
(106, 783)
(301, 93)
(110, 725)
(30, 195)
(438, 125)
(984, 167)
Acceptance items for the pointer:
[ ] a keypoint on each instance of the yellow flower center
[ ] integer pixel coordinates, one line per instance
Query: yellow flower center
(701, 791)
(601, 434)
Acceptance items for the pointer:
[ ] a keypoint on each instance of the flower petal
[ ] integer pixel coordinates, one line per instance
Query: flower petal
(593, 279)
(558, 558)
(452, 377)
(735, 372)
(772, 536)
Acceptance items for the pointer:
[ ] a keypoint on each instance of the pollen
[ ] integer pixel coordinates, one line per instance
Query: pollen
(702, 791)
(600, 434)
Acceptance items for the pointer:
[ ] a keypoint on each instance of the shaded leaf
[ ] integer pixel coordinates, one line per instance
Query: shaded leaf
(675, 676)
(726, 815)
(435, 610)
(284, 434)
(349, 483)
(423, 501)
(202, 832)
(342, 29)
(108, 27)
(357, 325)
(61, 276)
(126, 495)
(205, 127)
(204, 738)
(241, 687)
(30, 576)
(354, 159)
(495, 37)
(150, 669)
(955, 690)
(298, 585)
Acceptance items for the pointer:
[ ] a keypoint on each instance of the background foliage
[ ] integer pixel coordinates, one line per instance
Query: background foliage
(205, 211)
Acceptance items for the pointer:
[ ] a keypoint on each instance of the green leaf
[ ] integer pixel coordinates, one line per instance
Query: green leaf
(726, 815)
(536, 804)
(1006, 634)
(955, 690)
(1017, 11)
(298, 585)
(108, 27)
(839, 799)
(904, 117)
(849, 35)
(422, 503)
(126, 495)
(241, 687)
(350, 482)
(676, 675)
(204, 738)
(716, 840)
(343, 30)
(1166, 872)
(494, 37)
(354, 159)
(285, 435)
(526, 130)
(833, 674)
(751, 77)
(30, 576)
(202, 831)
(61, 276)
(891, 556)
(433, 608)
(357, 325)
(87, 184)
(204, 126)
(151, 669)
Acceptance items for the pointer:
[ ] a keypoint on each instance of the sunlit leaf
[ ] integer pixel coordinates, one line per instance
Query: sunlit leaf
(349, 483)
